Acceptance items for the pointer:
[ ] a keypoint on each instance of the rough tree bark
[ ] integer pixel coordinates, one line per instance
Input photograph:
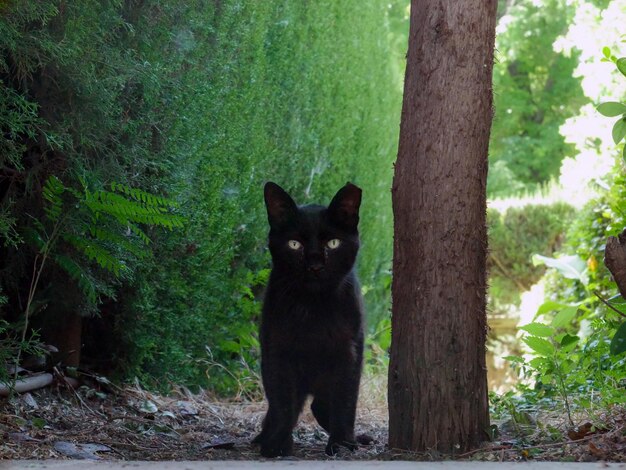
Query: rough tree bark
(437, 375)
(615, 260)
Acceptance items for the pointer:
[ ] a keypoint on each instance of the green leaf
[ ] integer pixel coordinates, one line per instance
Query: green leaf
(550, 306)
(606, 51)
(569, 342)
(230, 346)
(564, 317)
(618, 343)
(516, 359)
(611, 108)
(539, 345)
(52, 191)
(618, 303)
(39, 423)
(566, 366)
(621, 65)
(538, 329)
(539, 363)
(619, 130)
(86, 284)
(571, 267)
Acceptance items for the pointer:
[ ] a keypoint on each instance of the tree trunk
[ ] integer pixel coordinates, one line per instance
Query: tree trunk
(437, 375)
(615, 260)
(65, 333)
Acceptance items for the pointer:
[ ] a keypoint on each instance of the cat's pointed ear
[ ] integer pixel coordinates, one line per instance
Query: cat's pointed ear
(280, 207)
(344, 208)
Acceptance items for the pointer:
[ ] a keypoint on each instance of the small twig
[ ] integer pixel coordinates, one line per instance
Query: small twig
(61, 376)
(506, 273)
(99, 379)
(131, 445)
(44, 252)
(606, 302)
(141, 420)
(517, 449)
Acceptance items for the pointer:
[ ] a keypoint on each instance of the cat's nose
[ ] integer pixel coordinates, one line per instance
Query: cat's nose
(316, 268)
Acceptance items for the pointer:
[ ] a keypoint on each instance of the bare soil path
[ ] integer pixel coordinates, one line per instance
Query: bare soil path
(60, 429)
(303, 465)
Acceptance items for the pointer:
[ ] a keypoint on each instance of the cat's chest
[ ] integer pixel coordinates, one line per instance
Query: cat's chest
(328, 328)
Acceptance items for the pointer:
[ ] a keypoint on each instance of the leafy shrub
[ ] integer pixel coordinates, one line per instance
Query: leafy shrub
(535, 91)
(266, 95)
(79, 107)
(514, 236)
(201, 102)
(574, 355)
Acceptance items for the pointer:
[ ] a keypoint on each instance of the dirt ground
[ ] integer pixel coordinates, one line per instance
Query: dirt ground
(99, 421)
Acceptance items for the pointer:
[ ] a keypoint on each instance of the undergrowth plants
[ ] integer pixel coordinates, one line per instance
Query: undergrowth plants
(99, 227)
(104, 226)
(578, 337)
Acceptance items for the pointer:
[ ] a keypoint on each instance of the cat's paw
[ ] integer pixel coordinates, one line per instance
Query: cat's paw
(332, 448)
(365, 439)
(271, 449)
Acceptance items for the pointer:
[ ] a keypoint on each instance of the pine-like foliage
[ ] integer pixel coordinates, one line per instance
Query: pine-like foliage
(202, 102)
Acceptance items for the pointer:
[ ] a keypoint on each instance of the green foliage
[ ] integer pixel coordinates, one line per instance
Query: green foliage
(10, 345)
(612, 108)
(579, 356)
(266, 95)
(78, 106)
(101, 225)
(571, 362)
(618, 342)
(502, 181)
(514, 236)
(535, 91)
(201, 102)
(376, 355)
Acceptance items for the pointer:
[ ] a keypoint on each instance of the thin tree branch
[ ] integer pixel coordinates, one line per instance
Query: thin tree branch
(605, 302)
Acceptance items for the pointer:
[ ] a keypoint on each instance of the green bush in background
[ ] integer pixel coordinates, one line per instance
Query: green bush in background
(515, 235)
(277, 91)
(77, 103)
(201, 102)
(535, 91)
(577, 338)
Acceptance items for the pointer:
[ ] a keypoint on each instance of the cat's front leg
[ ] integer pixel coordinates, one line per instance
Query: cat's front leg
(342, 409)
(285, 401)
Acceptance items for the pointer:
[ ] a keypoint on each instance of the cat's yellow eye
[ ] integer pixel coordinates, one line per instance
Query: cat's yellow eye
(334, 243)
(294, 244)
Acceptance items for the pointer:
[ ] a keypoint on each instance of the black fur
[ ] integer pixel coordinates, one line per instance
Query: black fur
(312, 324)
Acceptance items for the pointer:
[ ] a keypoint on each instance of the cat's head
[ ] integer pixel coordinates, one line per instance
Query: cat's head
(315, 246)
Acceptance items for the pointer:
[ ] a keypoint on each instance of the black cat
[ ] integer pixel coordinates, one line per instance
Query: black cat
(312, 323)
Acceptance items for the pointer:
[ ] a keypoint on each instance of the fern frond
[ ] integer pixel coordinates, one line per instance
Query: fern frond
(128, 211)
(104, 235)
(143, 196)
(84, 281)
(140, 233)
(97, 253)
(52, 191)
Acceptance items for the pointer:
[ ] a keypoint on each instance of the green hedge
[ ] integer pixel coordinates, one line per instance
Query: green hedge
(302, 94)
(201, 102)
(515, 235)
